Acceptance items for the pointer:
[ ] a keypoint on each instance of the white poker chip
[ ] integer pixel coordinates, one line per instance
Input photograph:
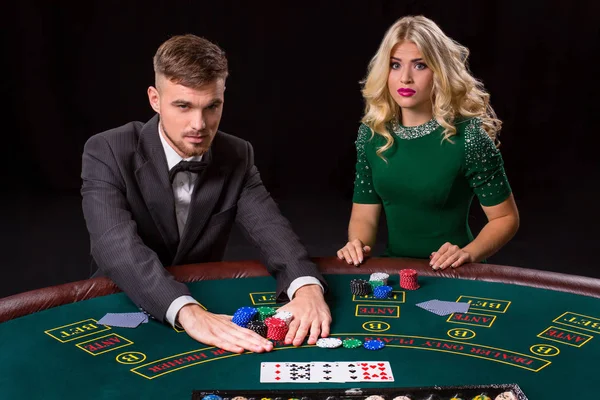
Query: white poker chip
(284, 316)
(506, 396)
(329, 343)
(375, 397)
(379, 276)
(401, 398)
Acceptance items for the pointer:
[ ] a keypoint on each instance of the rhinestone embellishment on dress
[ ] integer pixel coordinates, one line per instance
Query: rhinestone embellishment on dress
(414, 132)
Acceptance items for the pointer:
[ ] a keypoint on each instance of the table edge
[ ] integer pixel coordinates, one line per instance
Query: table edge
(33, 301)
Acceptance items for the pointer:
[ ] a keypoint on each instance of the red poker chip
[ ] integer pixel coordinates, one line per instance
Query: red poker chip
(276, 333)
(408, 272)
(272, 322)
(409, 279)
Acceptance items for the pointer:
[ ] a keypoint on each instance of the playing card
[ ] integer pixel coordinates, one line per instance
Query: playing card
(442, 308)
(284, 372)
(375, 371)
(427, 304)
(123, 320)
(298, 372)
(349, 371)
(326, 371)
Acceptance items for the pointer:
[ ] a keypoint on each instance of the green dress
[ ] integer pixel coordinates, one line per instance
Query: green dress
(426, 184)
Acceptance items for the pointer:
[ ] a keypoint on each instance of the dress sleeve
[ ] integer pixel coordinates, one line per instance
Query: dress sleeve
(484, 166)
(364, 192)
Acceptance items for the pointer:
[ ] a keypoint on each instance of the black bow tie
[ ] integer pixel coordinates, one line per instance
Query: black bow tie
(192, 166)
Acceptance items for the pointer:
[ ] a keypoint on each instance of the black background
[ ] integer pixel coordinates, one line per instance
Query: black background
(75, 69)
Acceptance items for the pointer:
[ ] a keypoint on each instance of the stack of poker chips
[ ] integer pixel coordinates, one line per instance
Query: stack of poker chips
(409, 279)
(265, 312)
(379, 276)
(382, 292)
(285, 316)
(265, 321)
(243, 316)
(375, 284)
(276, 328)
(360, 287)
(259, 327)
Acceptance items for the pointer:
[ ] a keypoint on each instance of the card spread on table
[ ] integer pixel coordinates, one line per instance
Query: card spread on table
(124, 320)
(326, 371)
(442, 308)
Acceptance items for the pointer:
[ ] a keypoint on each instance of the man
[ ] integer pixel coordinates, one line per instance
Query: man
(167, 193)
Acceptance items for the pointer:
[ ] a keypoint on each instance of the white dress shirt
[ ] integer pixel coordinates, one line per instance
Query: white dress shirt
(183, 187)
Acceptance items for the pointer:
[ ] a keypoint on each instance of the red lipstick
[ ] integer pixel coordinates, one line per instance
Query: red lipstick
(406, 92)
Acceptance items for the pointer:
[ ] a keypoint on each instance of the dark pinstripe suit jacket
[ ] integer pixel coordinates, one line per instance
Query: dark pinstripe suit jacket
(129, 210)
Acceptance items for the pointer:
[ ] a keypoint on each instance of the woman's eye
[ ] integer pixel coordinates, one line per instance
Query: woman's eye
(420, 66)
(395, 65)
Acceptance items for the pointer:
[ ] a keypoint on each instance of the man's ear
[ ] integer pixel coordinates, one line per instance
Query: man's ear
(154, 98)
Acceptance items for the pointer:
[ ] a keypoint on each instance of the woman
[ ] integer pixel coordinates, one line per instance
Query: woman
(425, 147)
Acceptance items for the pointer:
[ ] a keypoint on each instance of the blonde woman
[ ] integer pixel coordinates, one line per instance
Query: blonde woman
(426, 146)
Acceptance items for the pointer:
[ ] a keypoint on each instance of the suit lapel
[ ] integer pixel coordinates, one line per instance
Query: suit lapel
(152, 176)
(207, 191)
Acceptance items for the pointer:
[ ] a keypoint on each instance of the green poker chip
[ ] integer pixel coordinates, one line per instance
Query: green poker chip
(265, 312)
(375, 284)
(351, 343)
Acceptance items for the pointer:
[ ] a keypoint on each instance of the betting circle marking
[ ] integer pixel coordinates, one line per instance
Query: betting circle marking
(131, 357)
(461, 333)
(546, 350)
(376, 326)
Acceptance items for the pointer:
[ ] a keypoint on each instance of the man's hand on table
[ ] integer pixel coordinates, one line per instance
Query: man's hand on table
(310, 313)
(218, 330)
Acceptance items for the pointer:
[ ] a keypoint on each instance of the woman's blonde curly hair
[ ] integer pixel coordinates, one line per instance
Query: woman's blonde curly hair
(456, 93)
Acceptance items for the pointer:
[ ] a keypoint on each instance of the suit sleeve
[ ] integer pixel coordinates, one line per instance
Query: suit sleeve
(115, 244)
(280, 249)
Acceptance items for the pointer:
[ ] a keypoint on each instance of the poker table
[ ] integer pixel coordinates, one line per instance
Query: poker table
(540, 330)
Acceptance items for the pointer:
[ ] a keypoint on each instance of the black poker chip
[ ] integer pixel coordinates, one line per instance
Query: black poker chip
(360, 287)
(259, 327)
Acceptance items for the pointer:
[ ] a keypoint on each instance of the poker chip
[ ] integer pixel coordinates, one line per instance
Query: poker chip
(373, 344)
(329, 343)
(265, 312)
(375, 397)
(285, 316)
(375, 284)
(482, 397)
(409, 279)
(239, 398)
(401, 398)
(352, 343)
(379, 276)
(212, 397)
(276, 328)
(360, 287)
(456, 398)
(243, 315)
(382, 292)
(506, 396)
(259, 327)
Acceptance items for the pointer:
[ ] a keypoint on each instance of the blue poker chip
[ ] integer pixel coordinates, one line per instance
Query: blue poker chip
(244, 315)
(212, 397)
(373, 345)
(382, 292)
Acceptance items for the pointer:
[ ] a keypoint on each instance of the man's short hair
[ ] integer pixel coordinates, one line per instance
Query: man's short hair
(190, 61)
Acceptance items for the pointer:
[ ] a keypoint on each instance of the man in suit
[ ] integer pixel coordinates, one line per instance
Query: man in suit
(167, 192)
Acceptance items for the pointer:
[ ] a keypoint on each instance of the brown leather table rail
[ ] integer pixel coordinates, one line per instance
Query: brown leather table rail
(37, 300)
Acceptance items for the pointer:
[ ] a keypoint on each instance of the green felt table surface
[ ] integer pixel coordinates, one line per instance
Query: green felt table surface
(545, 341)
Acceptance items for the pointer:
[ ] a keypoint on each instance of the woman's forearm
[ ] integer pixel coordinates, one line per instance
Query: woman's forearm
(495, 234)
